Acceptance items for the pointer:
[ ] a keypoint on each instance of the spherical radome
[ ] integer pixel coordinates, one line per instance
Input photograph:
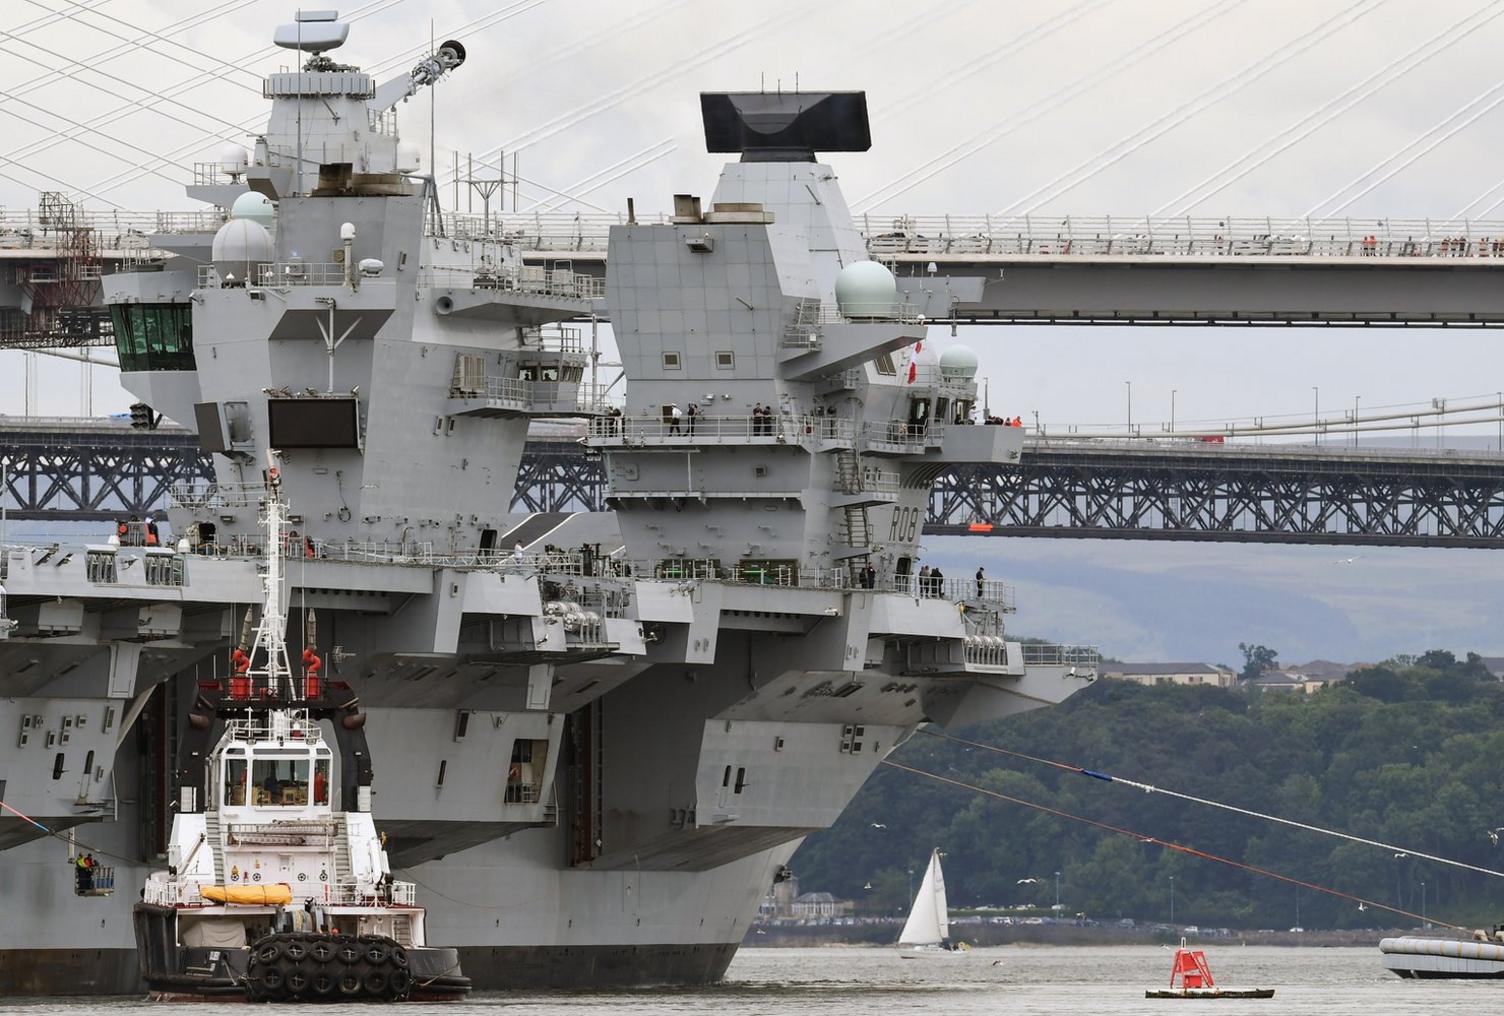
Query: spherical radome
(233, 159)
(959, 360)
(239, 245)
(866, 289)
(254, 207)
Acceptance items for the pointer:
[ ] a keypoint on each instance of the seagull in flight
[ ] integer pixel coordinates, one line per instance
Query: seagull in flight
(1026, 881)
(1348, 560)
(1493, 835)
(1401, 854)
(1361, 905)
(868, 886)
(878, 825)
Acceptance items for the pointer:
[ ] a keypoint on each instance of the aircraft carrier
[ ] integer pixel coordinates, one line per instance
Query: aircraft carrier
(598, 738)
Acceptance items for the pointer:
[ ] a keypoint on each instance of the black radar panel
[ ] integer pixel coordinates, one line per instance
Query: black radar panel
(785, 126)
(314, 423)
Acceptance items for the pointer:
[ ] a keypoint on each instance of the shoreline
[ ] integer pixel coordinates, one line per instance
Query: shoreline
(884, 935)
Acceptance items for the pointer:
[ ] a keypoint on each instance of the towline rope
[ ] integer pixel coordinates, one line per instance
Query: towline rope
(1363, 902)
(1150, 789)
(76, 843)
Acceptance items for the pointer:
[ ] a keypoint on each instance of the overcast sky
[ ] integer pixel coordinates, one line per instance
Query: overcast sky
(578, 85)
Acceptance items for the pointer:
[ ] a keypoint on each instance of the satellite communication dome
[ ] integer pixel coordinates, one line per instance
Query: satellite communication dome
(959, 361)
(866, 289)
(254, 207)
(233, 160)
(239, 246)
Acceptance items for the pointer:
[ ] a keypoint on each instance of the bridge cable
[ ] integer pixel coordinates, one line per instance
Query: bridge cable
(1150, 789)
(138, 43)
(1193, 107)
(600, 104)
(1308, 124)
(1180, 848)
(1494, 92)
(116, 79)
(475, 25)
(599, 179)
(1014, 45)
(713, 51)
(122, 177)
(112, 114)
(963, 150)
(376, 7)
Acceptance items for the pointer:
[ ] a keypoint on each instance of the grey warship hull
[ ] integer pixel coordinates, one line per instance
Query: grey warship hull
(595, 760)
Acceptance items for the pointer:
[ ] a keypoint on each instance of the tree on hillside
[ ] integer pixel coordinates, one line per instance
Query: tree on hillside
(1257, 660)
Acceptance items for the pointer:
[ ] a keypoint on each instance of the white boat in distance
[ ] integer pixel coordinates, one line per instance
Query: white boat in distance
(927, 931)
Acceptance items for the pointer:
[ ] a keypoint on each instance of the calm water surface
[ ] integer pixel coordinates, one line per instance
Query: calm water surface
(1005, 981)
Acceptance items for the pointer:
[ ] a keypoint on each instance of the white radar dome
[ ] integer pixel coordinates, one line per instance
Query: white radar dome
(254, 207)
(960, 361)
(233, 159)
(866, 289)
(239, 246)
(409, 158)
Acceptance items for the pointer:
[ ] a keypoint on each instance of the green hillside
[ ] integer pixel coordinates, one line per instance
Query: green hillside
(1411, 753)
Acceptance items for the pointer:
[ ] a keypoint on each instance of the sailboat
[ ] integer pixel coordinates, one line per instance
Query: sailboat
(927, 931)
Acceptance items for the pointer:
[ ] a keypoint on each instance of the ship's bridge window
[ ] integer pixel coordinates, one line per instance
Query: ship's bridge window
(234, 792)
(283, 782)
(919, 412)
(153, 336)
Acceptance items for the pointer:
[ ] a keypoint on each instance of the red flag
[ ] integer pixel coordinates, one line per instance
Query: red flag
(913, 371)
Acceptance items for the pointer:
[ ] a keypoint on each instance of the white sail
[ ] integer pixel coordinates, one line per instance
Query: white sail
(929, 920)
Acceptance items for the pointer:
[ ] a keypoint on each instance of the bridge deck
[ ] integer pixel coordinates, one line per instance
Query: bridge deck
(1063, 487)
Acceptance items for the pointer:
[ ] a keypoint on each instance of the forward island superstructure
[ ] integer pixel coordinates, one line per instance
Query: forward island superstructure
(596, 759)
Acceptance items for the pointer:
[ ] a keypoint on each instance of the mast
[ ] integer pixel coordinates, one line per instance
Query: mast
(271, 631)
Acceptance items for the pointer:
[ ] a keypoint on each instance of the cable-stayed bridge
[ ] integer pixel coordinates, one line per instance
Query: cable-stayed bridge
(967, 269)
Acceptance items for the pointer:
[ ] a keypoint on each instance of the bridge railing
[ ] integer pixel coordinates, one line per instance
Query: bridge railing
(942, 235)
(908, 235)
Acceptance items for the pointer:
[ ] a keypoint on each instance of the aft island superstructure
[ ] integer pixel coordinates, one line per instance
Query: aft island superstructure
(594, 760)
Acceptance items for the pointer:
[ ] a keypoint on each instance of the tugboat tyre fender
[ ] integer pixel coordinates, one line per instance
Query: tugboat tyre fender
(349, 983)
(376, 983)
(322, 950)
(295, 950)
(349, 952)
(324, 983)
(400, 982)
(269, 952)
(399, 956)
(270, 980)
(376, 954)
(297, 980)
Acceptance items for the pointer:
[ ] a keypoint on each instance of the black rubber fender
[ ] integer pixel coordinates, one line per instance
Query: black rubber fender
(400, 983)
(376, 983)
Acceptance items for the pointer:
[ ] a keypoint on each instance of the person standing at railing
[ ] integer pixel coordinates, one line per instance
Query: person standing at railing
(517, 555)
(694, 411)
(675, 415)
(937, 583)
(924, 582)
(981, 580)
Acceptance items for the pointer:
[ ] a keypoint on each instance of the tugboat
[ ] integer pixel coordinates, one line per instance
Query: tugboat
(278, 887)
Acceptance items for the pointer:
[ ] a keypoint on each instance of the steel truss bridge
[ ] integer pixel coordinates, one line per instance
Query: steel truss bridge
(96, 470)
